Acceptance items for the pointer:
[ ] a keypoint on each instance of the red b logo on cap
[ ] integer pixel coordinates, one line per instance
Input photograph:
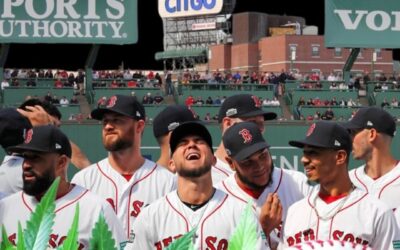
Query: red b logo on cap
(111, 101)
(247, 137)
(28, 136)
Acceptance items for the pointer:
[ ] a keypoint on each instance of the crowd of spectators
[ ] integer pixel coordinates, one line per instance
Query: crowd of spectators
(218, 100)
(332, 102)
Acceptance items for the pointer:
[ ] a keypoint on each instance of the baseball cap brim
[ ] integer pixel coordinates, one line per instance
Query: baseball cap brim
(248, 151)
(189, 128)
(302, 143)
(98, 113)
(267, 115)
(24, 148)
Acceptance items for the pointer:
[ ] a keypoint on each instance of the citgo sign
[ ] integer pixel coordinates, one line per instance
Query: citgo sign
(182, 8)
(74, 21)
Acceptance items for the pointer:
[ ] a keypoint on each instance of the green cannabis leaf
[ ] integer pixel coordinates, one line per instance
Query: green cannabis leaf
(185, 242)
(39, 226)
(102, 238)
(5, 244)
(71, 242)
(20, 242)
(245, 234)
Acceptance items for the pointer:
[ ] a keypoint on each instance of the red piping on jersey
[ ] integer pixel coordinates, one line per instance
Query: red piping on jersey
(73, 201)
(208, 216)
(115, 186)
(130, 193)
(60, 208)
(25, 203)
(234, 195)
(280, 180)
(362, 183)
(223, 171)
(390, 182)
(315, 212)
(176, 210)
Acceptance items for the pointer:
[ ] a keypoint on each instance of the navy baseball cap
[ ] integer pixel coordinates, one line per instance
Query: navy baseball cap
(186, 129)
(326, 134)
(47, 139)
(243, 139)
(170, 118)
(13, 127)
(243, 105)
(372, 117)
(123, 105)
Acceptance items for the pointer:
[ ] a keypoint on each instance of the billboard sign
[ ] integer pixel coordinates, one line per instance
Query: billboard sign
(204, 26)
(73, 21)
(185, 8)
(362, 23)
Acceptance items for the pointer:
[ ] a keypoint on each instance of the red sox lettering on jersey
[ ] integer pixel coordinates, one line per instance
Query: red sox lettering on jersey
(167, 219)
(127, 198)
(19, 206)
(357, 218)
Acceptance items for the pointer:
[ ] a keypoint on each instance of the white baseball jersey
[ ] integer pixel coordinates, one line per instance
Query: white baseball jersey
(19, 206)
(386, 188)
(11, 174)
(149, 183)
(291, 186)
(220, 171)
(357, 217)
(168, 219)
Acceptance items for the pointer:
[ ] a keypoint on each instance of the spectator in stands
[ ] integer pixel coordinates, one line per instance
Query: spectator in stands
(132, 83)
(158, 99)
(14, 74)
(209, 101)
(199, 101)
(366, 77)
(7, 74)
(55, 100)
(30, 83)
(102, 102)
(358, 102)
(48, 74)
(127, 74)
(317, 102)
(223, 99)
(158, 80)
(333, 102)
(189, 101)
(114, 84)
(4, 84)
(301, 102)
(310, 117)
(237, 77)
(333, 86)
(318, 85)
(317, 115)
(217, 100)
(266, 102)
(95, 75)
(351, 103)
(343, 103)
(343, 86)
(384, 86)
(64, 102)
(331, 77)
(207, 117)
(48, 98)
(394, 102)
(147, 99)
(70, 80)
(275, 102)
(58, 83)
(310, 102)
(246, 77)
(378, 86)
(254, 78)
(80, 79)
(168, 84)
(74, 100)
(328, 115)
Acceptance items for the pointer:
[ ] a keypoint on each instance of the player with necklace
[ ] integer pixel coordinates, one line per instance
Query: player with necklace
(336, 210)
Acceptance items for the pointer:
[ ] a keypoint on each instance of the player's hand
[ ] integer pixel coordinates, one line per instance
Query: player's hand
(36, 115)
(271, 213)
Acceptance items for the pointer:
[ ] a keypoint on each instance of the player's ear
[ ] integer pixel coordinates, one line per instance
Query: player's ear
(341, 157)
(230, 162)
(62, 164)
(171, 164)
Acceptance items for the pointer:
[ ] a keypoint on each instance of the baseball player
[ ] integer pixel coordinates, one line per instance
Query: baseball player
(14, 122)
(125, 178)
(237, 108)
(255, 176)
(166, 121)
(372, 130)
(336, 210)
(46, 152)
(195, 204)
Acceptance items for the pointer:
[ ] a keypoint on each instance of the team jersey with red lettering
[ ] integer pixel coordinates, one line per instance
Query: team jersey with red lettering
(169, 218)
(386, 188)
(291, 186)
(11, 174)
(357, 217)
(220, 171)
(149, 183)
(18, 207)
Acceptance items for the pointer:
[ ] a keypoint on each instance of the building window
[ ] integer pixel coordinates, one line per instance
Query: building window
(338, 52)
(315, 50)
(378, 53)
(292, 51)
